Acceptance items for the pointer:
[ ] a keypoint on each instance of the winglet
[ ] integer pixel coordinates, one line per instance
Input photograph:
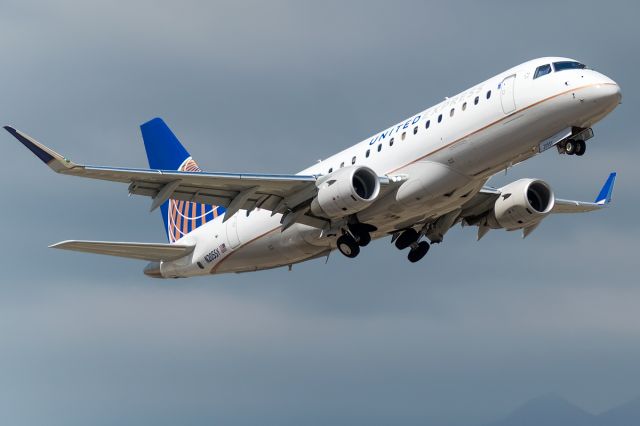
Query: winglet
(48, 156)
(604, 197)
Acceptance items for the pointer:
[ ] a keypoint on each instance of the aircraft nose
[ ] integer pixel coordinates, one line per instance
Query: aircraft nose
(609, 92)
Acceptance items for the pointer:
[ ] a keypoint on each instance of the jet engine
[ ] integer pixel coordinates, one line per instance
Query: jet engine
(345, 191)
(521, 204)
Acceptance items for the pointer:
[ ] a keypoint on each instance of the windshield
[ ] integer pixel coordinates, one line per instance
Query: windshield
(542, 70)
(568, 65)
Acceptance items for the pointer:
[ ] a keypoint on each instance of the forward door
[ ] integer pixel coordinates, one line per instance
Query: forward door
(507, 94)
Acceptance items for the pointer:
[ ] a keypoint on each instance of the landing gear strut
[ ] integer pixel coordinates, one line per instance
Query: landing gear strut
(362, 233)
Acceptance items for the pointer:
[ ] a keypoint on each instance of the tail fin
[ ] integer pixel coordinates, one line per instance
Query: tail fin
(165, 152)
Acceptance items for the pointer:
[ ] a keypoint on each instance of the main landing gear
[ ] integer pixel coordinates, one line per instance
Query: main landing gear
(411, 238)
(359, 235)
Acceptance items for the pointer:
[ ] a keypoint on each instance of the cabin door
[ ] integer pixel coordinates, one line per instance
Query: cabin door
(507, 95)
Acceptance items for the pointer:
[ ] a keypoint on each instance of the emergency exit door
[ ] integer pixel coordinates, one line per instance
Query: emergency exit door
(232, 232)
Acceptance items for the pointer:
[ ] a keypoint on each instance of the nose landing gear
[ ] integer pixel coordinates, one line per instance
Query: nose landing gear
(576, 144)
(577, 147)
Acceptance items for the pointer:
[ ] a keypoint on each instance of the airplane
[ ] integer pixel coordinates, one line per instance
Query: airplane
(412, 181)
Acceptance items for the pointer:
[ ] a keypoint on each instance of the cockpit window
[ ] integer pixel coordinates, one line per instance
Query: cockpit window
(542, 70)
(568, 65)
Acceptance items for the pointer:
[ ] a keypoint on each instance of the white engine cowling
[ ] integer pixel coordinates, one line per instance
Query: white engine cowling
(346, 191)
(522, 203)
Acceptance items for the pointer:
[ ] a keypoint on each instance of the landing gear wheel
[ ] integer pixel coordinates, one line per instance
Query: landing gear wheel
(418, 252)
(570, 147)
(361, 233)
(364, 239)
(348, 246)
(581, 148)
(407, 238)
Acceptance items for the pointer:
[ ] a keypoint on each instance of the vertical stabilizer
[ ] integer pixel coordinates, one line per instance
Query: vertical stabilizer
(165, 152)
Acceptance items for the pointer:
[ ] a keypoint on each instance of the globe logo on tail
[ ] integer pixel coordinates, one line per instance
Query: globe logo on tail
(185, 216)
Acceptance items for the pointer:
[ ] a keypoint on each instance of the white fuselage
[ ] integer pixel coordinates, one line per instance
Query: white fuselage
(482, 130)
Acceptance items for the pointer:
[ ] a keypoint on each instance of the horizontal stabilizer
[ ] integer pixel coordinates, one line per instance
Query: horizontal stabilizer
(141, 251)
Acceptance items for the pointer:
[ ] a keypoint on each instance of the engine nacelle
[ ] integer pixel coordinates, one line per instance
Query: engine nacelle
(346, 191)
(522, 203)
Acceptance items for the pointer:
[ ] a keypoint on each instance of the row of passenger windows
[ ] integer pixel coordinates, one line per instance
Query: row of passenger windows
(415, 130)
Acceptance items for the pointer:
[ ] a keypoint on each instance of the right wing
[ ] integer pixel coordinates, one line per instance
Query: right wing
(289, 195)
(141, 251)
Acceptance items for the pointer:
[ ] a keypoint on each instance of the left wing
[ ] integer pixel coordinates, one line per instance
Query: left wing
(602, 200)
(279, 193)
(483, 202)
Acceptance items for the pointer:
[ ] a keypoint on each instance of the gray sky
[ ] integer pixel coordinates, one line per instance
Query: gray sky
(460, 338)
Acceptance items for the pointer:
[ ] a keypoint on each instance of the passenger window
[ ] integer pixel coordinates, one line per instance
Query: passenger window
(464, 106)
(342, 164)
(415, 130)
(353, 160)
(331, 170)
(368, 152)
(488, 94)
(440, 118)
(542, 70)
(476, 100)
(391, 142)
(379, 147)
(453, 110)
(404, 135)
(426, 125)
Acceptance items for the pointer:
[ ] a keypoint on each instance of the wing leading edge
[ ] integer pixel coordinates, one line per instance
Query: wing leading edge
(278, 193)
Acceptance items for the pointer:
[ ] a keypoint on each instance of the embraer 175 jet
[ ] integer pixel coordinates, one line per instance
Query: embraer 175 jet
(412, 181)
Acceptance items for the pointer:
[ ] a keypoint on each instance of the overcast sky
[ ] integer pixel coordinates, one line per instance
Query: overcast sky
(459, 339)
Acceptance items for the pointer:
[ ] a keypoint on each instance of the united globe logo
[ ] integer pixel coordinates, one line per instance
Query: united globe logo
(185, 216)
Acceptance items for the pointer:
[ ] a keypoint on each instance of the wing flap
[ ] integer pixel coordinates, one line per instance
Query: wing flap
(141, 251)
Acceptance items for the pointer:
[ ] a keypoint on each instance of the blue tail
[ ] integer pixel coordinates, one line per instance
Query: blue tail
(165, 152)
